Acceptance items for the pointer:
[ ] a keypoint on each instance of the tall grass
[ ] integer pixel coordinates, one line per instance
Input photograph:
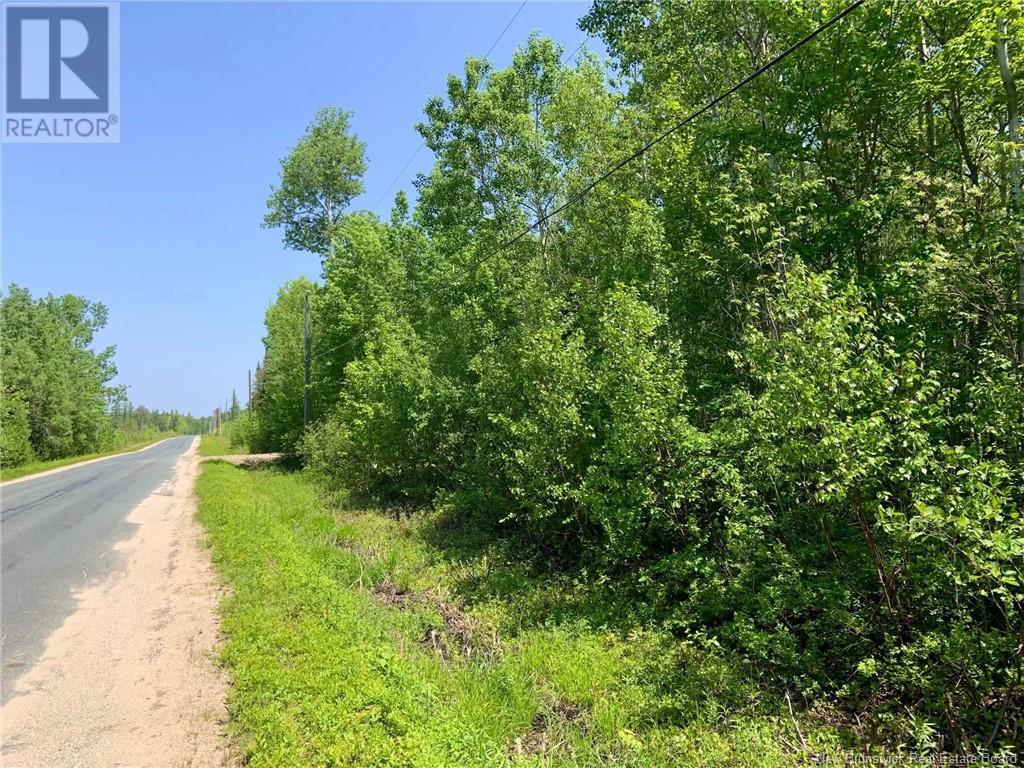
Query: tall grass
(359, 638)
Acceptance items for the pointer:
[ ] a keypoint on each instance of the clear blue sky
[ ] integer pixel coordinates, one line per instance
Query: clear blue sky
(164, 228)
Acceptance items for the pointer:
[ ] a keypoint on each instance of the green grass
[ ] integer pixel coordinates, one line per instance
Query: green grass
(219, 445)
(13, 473)
(357, 639)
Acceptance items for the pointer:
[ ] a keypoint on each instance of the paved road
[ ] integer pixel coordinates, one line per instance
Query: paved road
(57, 534)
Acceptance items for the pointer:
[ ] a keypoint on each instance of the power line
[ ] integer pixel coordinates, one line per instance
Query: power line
(498, 38)
(573, 54)
(647, 146)
(679, 125)
(398, 176)
(422, 144)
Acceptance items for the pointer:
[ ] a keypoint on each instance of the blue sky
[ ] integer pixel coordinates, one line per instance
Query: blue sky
(164, 228)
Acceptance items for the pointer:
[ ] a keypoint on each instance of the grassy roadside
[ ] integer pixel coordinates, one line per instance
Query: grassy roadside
(13, 473)
(219, 445)
(355, 638)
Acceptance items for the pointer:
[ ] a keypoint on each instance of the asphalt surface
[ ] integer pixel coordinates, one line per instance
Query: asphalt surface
(56, 536)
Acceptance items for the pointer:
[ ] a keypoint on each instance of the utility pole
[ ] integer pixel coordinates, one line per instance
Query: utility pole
(307, 395)
(248, 403)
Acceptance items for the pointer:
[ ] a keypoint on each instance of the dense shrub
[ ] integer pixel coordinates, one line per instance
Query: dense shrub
(15, 440)
(766, 381)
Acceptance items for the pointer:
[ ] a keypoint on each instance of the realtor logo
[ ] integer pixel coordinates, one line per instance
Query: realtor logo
(61, 73)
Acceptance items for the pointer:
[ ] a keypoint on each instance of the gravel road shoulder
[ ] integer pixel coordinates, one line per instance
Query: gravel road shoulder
(131, 678)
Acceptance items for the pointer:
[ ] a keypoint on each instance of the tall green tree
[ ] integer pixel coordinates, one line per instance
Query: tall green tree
(53, 379)
(278, 389)
(319, 178)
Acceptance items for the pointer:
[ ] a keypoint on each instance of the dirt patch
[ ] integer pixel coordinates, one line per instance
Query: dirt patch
(457, 634)
(248, 460)
(539, 740)
(535, 742)
(389, 594)
(130, 678)
(569, 713)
